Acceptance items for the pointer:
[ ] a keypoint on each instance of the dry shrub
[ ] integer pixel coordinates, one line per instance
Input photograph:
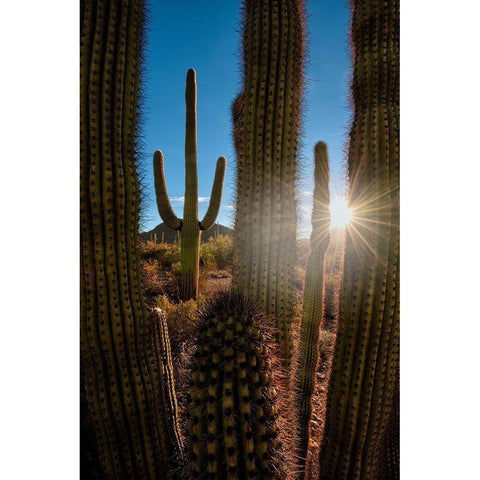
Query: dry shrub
(166, 254)
(219, 274)
(151, 280)
(209, 265)
(182, 318)
(326, 345)
(326, 342)
(217, 253)
(157, 281)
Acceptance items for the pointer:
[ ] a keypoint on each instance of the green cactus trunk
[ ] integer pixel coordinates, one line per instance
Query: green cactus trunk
(232, 411)
(365, 365)
(127, 382)
(190, 227)
(312, 301)
(266, 131)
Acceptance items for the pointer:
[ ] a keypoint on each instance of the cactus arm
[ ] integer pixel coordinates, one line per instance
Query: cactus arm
(163, 203)
(313, 301)
(216, 195)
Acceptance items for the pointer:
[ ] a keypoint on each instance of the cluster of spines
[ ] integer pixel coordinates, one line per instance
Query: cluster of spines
(266, 131)
(312, 302)
(132, 407)
(190, 226)
(363, 379)
(232, 410)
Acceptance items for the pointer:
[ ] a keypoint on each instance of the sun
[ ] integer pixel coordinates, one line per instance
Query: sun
(340, 213)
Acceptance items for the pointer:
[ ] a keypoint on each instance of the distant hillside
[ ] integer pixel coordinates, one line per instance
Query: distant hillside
(167, 235)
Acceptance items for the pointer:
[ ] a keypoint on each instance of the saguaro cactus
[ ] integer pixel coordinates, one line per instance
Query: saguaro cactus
(232, 414)
(266, 130)
(127, 384)
(313, 300)
(365, 365)
(390, 462)
(189, 226)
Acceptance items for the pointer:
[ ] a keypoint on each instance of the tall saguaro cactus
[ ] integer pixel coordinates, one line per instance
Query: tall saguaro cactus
(365, 367)
(266, 129)
(313, 299)
(189, 226)
(127, 382)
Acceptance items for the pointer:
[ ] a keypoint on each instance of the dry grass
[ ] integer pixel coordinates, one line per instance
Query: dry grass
(317, 422)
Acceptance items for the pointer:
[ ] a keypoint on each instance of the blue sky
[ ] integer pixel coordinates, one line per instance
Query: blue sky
(205, 35)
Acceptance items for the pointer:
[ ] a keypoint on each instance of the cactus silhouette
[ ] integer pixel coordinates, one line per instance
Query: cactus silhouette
(266, 128)
(189, 226)
(127, 385)
(365, 365)
(232, 411)
(312, 300)
(390, 461)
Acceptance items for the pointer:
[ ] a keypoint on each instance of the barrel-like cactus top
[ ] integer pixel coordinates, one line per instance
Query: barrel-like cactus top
(232, 411)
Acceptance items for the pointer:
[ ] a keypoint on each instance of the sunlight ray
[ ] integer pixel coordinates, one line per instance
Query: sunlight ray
(351, 225)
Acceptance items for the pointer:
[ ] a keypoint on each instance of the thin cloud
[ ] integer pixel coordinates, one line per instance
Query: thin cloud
(182, 199)
(306, 193)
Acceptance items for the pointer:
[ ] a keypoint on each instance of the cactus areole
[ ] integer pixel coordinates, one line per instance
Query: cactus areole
(190, 227)
(266, 120)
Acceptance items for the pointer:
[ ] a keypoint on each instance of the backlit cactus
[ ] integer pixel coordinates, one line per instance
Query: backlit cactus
(365, 367)
(232, 411)
(390, 461)
(190, 227)
(127, 384)
(312, 300)
(266, 131)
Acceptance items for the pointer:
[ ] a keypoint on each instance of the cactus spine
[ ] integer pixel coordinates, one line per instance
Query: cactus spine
(232, 414)
(266, 130)
(127, 383)
(312, 300)
(365, 365)
(189, 226)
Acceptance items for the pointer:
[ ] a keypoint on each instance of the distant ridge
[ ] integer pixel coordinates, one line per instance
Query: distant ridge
(167, 235)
